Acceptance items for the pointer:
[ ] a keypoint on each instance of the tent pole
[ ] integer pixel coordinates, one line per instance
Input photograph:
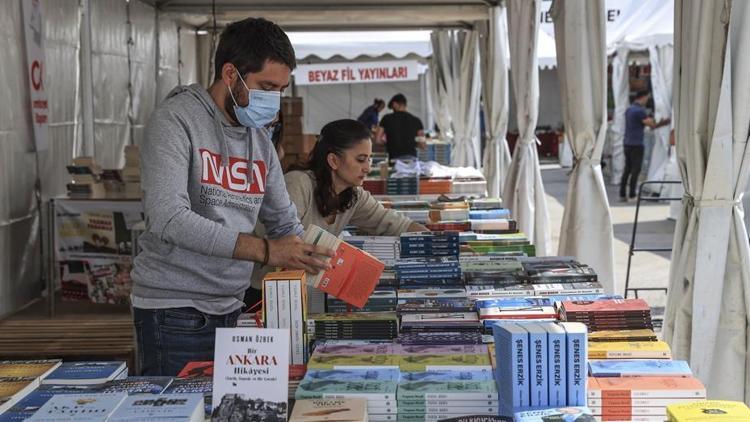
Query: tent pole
(87, 84)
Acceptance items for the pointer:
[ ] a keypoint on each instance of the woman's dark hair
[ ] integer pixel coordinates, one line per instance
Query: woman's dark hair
(335, 137)
(378, 102)
(248, 43)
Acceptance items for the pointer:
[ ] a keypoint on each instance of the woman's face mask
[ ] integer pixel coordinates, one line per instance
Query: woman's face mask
(261, 109)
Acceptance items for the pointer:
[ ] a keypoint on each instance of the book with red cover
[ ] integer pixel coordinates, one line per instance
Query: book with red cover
(197, 369)
(354, 273)
(607, 306)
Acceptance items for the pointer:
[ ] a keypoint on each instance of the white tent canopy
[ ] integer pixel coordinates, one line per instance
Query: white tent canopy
(354, 44)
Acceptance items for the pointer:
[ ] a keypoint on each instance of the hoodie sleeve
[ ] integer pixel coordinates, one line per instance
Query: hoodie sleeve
(166, 166)
(277, 212)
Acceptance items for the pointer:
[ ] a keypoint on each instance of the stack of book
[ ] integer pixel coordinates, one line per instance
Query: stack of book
(540, 365)
(324, 410)
(615, 314)
(85, 182)
(435, 299)
(382, 299)
(420, 358)
(536, 308)
(353, 326)
(376, 385)
(440, 328)
(450, 226)
(459, 215)
(131, 173)
(485, 203)
(629, 350)
(82, 373)
(284, 299)
(421, 272)
(417, 211)
(567, 413)
(438, 395)
(472, 186)
(489, 214)
(436, 151)
(640, 398)
(502, 244)
(435, 186)
(402, 186)
(374, 186)
(384, 248)
(429, 244)
(708, 410)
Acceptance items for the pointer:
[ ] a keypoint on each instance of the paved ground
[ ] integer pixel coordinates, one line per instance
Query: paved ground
(654, 230)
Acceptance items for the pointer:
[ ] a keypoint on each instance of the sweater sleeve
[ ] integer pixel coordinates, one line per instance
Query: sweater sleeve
(165, 172)
(370, 216)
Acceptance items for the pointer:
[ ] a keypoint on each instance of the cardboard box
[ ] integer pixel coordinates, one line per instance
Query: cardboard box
(291, 106)
(289, 159)
(298, 144)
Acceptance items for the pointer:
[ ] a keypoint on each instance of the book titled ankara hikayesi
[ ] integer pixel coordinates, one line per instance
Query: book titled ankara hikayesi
(354, 273)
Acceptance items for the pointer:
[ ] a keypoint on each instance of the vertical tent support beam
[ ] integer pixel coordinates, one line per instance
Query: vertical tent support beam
(87, 83)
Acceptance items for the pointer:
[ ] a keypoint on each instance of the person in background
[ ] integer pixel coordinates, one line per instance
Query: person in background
(636, 119)
(371, 116)
(209, 175)
(399, 130)
(327, 190)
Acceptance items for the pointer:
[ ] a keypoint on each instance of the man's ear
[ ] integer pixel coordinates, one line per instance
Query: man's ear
(229, 74)
(333, 161)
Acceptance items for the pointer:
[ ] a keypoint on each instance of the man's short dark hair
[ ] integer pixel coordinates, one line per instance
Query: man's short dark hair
(398, 98)
(249, 43)
(642, 93)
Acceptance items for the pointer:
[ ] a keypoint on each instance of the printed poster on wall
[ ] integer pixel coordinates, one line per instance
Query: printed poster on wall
(34, 31)
(251, 374)
(93, 245)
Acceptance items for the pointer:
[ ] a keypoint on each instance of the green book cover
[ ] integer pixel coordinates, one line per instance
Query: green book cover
(416, 363)
(436, 390)
(371, 390)
(322, 361)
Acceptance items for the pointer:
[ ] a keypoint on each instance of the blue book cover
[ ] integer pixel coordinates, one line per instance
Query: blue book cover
(637, 368)
(512, 357)
(137, 385)
(497, 214)
(514, 303)
(448, 375)
(577, 353)
(369, 374)
(176, 407)
(203, 385)
(78, 407)
(563, 414)
(86, 372)
(557, 364)
(13, 415)
(37, 398)
(539, 393)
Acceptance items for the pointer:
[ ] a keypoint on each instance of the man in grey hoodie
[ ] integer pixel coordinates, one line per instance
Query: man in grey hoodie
(210, 172)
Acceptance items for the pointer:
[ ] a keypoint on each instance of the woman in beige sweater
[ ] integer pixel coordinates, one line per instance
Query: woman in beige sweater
(327, 190)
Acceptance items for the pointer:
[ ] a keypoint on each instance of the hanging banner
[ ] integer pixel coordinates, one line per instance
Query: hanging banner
(353, 73)
(32, 20)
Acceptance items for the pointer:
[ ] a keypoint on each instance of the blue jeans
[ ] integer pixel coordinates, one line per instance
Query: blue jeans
(170, 338)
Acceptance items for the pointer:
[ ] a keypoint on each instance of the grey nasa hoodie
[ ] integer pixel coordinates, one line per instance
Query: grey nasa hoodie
(199, 193)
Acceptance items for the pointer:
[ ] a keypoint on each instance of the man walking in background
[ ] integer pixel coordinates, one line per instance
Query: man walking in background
(636, 119)
(399, 131)
(371, 115)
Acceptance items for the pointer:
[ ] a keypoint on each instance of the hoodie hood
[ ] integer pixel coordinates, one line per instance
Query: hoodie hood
(224, 129)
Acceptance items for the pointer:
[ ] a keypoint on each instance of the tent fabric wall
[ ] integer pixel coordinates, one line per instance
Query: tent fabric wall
(168, 72)
(621, 95)
(661, 58)
(586, 231)
(494, 49)
(707, 305)
(524, 190)
(20, 264)
(457, 74)
(324, 103)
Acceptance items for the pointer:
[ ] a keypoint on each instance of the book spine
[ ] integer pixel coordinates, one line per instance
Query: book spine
(297, 337)
(538, 361)
(557, 369)
(271, 302)
(577, 365)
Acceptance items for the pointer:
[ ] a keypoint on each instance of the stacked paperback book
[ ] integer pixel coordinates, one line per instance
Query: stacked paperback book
(284, 307)
(429, 244)
(353, 326)
(426, 272)
(384, 248)
(440, 328)
(708, 411)
(382, 299)
(402, 186)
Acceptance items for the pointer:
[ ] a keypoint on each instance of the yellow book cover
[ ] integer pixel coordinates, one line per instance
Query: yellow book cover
(643, 334)
(13, 389)
(629, 350)
(321, 361)
(709, 410)
(28, 368)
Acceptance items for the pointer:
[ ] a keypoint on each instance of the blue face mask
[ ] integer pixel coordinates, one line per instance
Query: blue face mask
(260, 110)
